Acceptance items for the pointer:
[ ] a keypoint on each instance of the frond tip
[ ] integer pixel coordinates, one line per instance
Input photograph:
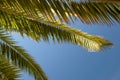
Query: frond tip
(96, 43)
(91, 42)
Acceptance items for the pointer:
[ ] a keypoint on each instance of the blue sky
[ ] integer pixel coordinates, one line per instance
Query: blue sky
(66, 61)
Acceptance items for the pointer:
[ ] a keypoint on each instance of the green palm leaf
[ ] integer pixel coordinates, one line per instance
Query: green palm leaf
(19, 56)
(7, 71)
(43, 20)
(97, 12)
(87, 11)
(43, 29)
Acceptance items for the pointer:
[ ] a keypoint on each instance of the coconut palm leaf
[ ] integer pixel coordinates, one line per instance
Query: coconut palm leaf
(89, 11)
(7, 71)
(19, 57)
(43, 29)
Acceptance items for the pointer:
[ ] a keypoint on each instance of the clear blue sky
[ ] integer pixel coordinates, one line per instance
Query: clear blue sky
(71, 62)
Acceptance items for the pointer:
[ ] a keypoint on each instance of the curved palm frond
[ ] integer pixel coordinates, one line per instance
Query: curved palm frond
(7, 71)
(40, 28)
(19, 56)
(87, 11)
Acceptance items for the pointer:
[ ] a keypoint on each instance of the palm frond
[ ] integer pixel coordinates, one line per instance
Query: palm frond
(88, 11)
(8, 71)
(43, 29)
(97, 12)
(19, 56)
